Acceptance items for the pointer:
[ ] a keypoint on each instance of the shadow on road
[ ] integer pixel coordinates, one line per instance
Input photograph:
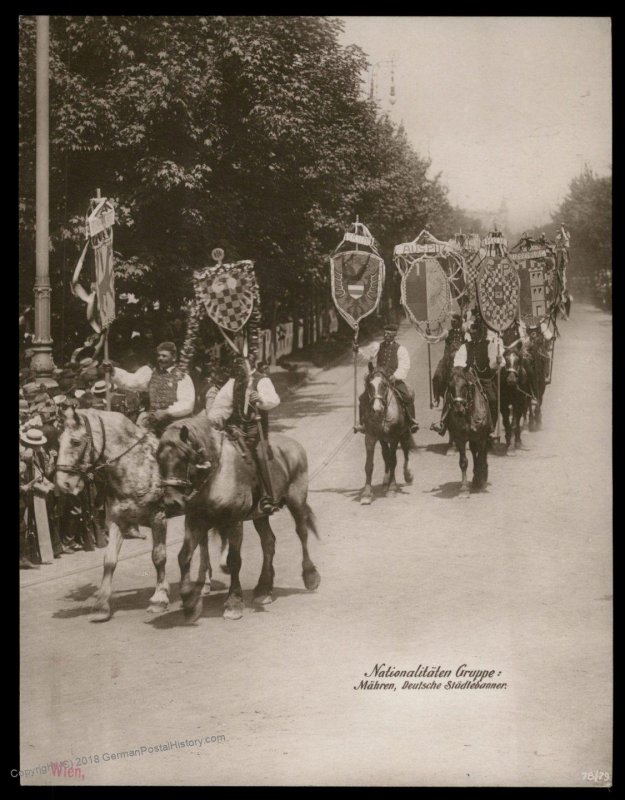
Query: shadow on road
(305, 408)
(213, 608)
(354, 494)
(450, 490)
(124, 600)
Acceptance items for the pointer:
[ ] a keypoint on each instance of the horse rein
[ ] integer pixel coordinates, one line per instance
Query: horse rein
(93, 466)
(187, 483)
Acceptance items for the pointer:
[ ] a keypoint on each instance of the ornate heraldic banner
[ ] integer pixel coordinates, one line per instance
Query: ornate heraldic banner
(356, 276)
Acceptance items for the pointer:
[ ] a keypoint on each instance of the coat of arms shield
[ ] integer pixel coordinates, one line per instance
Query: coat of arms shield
(228, 297)
(498, 292)
(425, 292)
(357, 278)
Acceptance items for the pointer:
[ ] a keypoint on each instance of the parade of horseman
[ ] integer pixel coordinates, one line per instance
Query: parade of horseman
(105, 451)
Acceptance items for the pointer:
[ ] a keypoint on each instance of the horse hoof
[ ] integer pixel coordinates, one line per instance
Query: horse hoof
(510, 451)
(157, 608)
(365, 501)
(193, 612)
(101, 615)
(206, 590)
(233, 612)
(311, 578)
(408, 477)
(262, 600)
(464, 493)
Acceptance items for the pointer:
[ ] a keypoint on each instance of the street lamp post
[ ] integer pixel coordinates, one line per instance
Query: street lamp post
(41, 362)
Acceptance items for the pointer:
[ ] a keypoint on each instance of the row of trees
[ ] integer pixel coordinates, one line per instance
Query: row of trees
(248, 133)
(587, 212)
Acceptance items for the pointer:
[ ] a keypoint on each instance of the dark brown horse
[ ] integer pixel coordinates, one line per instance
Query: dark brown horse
(469, 421)
(209, 478)
(537, 366)
(515, 396)
(385, 422)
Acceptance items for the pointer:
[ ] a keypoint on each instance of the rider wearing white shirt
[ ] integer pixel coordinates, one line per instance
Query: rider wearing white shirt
(171, 391)
(393, 358)
(242, 403)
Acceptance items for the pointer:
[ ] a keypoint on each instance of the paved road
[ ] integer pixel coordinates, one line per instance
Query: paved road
(516, 580)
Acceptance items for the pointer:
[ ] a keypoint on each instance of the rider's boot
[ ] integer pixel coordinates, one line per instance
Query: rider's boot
(410, 411)
(441, 427)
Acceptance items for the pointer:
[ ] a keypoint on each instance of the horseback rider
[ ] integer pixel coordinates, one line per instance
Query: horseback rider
(393, 359)
(241, 405)
(539, 337)
(171, 391)
(453, 339)
(480, 355)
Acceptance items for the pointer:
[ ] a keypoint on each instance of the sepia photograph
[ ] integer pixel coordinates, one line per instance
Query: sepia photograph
(315, 401)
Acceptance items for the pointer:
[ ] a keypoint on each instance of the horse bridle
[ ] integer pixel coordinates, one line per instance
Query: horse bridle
(84, 465)
(194, 459)
(376, 396)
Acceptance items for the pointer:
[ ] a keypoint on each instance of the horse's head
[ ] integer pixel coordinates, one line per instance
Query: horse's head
(75, 446)
(512, 366)
(459, 389)
(377, 391)
(183, 465)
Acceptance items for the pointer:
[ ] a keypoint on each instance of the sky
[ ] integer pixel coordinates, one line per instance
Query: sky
(505, 107)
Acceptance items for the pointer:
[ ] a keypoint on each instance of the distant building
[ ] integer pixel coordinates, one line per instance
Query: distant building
(488, 217)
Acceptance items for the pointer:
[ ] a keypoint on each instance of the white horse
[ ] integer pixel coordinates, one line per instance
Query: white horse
(109, 443)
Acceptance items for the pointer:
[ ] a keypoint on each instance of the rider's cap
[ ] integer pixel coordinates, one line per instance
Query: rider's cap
(391, 326)
(33, 437)
(168, 347)
(59, 399)
(99, 388)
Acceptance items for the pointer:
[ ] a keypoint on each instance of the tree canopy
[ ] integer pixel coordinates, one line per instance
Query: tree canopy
(249, 133)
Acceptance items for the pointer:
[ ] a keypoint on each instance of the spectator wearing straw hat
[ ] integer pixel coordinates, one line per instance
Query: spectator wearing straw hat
(98, 391)
(35, 478)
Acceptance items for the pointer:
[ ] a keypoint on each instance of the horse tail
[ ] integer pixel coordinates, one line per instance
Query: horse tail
(311, 520)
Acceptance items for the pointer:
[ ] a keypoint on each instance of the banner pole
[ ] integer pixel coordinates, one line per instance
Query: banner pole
(430, 375)
(107, 375)
(355, 348)
(498, 428)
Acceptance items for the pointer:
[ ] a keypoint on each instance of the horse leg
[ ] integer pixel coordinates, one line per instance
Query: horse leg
(304, 522)
(464, 463)
(483, 453)
(264, 587)
(451, 446)
(405, 446)
(367, 493)
(392, 465)
(505, 417)
(191, 592)
(223, 559)
(205, 571)
(102, 606)
(387, 469)
(233, 608)
(518, 413)
(160, 599)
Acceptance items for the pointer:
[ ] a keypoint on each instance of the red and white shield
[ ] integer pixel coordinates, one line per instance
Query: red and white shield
(228, 299)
